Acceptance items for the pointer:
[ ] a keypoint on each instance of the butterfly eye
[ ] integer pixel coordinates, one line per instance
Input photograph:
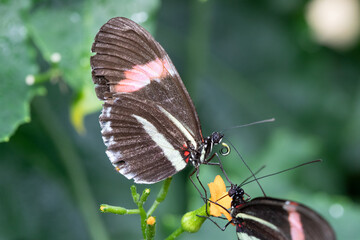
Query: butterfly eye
(225, 150)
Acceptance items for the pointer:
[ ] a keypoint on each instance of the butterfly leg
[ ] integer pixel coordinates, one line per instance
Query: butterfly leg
(219, 163)
(202, 186)
(192, 181)
(221, 228)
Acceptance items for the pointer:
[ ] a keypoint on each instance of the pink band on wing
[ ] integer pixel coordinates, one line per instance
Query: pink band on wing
(128, 85)
(296, 227)
(141, 75)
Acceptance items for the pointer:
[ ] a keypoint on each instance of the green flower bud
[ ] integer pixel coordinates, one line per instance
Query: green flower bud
(192, 221)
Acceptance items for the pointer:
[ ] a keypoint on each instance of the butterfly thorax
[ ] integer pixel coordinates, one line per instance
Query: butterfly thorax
(200, 154)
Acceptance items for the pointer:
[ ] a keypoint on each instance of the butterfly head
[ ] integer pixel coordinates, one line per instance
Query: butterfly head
(216, 137)
(237, 194)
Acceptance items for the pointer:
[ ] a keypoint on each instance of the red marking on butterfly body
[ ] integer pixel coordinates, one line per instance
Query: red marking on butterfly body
(240, 205)
(186, 152)
(141, 75)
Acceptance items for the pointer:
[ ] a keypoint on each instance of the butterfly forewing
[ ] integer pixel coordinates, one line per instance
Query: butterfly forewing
(270, 218)
(148, 116)
(129, 60)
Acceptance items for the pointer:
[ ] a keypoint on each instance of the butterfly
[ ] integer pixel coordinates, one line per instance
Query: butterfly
(149, 123)
(266, 218)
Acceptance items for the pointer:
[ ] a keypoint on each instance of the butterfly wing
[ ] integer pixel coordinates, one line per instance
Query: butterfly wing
(148, 115)
(270, 218)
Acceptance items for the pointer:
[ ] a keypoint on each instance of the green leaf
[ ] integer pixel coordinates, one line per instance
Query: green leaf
(66, 31)
(59, 33)
(17, 62)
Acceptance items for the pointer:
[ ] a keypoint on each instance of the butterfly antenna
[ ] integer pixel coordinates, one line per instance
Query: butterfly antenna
(249, 124)
(222, 197)
(288, 169)
(247, 166)
(255, 173)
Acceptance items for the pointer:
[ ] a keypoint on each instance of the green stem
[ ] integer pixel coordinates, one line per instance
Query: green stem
(143, 217)
(75, 171)
(117, 210)
(134, 194)
(161, 196)
(175, 234)
(145, 195)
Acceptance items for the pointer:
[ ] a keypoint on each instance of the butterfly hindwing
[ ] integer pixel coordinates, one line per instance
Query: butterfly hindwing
(139, 141)
(270, 218)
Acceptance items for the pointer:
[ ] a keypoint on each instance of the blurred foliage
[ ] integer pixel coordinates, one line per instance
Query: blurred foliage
(242, 61)
(17, 60)
(34, 32)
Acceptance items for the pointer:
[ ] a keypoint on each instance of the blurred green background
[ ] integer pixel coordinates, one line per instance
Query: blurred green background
(241, 61)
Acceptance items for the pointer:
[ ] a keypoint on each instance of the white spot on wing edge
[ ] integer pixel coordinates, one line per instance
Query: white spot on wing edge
(106, 127)
(180, 126)
(114, 156)
(171, 154)
(128, 174)
(106, 112)
(108, 141)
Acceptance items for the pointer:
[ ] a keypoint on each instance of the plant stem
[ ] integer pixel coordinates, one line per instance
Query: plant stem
(72, 163)
(142, 213)
(117, 210)
(161, 196)
(175, 234)
(134, 194)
